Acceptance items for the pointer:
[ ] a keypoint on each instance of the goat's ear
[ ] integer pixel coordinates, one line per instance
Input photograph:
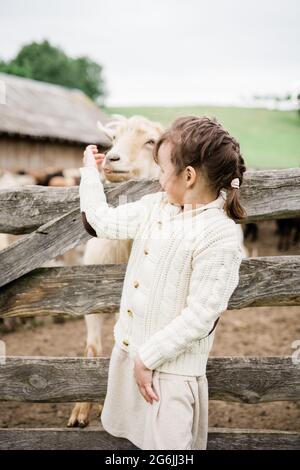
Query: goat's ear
(106, 131)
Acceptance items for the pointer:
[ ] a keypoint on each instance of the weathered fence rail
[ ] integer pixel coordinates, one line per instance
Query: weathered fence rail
(265, 281)
(51, 223)
(98, 439)
(266, 194)
(67, 379)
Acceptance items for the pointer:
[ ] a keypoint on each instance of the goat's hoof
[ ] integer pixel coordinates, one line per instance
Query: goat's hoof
(80, 415)
(83, 423)
(74, 423)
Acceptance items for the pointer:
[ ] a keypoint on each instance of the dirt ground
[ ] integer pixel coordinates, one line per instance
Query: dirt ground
(264, 331)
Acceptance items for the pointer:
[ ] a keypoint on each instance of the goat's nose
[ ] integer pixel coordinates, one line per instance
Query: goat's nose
(113, 157)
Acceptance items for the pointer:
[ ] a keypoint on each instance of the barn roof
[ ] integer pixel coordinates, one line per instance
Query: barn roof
(40, 110)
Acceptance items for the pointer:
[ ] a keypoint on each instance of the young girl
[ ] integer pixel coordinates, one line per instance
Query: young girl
(183, 268)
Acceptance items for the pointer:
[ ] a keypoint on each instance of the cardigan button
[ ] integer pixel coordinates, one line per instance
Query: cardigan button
(129, 312)
(136, 284)
(146, 251)
(125, 342)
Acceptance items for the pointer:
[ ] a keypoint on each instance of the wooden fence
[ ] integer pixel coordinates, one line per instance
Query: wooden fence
(51, 222)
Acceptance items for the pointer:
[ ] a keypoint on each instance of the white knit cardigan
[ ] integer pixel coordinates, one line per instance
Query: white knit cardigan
(182, 271)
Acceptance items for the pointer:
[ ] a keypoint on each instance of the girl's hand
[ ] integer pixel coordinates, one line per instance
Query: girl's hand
(143, 377)
(91, 157)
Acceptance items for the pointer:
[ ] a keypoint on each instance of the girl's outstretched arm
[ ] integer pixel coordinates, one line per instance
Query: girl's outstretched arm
(101, 220)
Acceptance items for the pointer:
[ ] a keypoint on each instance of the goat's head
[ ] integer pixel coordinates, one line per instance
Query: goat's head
(130, 156)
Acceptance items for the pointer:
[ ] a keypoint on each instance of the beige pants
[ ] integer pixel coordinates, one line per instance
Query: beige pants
(179, 420)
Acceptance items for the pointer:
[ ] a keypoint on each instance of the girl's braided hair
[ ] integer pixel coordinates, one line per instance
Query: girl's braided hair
(203, 143)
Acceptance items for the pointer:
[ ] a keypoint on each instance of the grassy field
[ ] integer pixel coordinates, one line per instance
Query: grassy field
(268, 139)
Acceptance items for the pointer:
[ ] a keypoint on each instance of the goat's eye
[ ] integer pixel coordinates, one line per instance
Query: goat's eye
(150, 142)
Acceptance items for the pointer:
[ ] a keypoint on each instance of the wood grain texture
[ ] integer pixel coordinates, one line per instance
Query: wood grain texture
(95, 438)
(67, 379)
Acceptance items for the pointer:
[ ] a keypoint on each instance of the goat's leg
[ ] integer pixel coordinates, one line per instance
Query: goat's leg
(81, 411)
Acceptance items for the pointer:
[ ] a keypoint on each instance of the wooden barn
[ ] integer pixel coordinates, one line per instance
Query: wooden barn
(45, 126)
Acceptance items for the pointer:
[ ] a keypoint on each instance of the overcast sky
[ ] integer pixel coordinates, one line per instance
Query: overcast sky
(168, 51)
